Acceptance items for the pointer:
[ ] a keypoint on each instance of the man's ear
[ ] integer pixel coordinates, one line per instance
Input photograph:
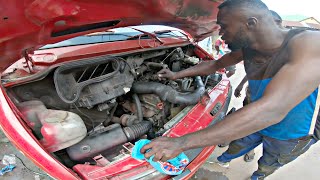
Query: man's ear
(252, 22)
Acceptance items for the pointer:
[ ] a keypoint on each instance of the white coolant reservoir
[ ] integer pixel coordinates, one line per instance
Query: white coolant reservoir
(56, 129)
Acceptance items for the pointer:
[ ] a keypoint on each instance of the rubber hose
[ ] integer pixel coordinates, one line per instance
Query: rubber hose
(167, 93)
(138, 107)
(137, 130)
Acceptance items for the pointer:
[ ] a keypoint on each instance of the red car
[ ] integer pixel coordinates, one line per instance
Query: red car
(79, 84)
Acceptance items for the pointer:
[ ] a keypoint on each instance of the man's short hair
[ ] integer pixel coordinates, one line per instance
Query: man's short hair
(276, 15)
(257, 4)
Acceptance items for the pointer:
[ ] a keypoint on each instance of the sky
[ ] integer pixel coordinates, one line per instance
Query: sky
(292, 7)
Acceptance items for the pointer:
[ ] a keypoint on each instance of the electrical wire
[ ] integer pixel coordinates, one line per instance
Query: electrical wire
(150, 46)
(168, 56)
(120, 58)
(139, 41)
(207, 78)
(111, 113)
(93, 127)
(132, 70)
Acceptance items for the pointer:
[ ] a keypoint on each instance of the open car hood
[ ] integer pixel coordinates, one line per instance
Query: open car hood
(29, 24)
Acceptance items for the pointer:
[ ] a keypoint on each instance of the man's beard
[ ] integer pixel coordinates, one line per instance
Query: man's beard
(239, 41)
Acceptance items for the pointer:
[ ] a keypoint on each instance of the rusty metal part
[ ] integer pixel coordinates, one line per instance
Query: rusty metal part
(151, 101)
(154, 65)
(132, 108)
(126, 120)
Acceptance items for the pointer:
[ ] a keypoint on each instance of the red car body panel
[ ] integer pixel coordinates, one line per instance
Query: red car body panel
(20, 134)
(30, 24)
(33, 23)
(65, 54)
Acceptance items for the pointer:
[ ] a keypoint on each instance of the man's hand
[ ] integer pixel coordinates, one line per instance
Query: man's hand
(163, 148)
(166, 74)
(237, 91)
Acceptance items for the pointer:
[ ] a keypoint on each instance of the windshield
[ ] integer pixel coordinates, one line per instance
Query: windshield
(119, 34)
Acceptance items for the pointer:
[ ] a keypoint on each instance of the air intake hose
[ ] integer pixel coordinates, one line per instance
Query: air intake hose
(167, 93)
(94, 145)
(137, 130)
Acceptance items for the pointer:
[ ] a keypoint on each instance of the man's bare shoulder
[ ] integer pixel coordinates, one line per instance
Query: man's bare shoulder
(305, 38)
(305, 44)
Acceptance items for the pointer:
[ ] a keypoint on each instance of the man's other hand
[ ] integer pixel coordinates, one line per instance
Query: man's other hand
(237, 91)
(163, 148)
(166, 74)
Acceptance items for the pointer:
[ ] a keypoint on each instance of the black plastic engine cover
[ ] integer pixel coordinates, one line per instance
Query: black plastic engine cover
(101, 92)
(91, 82)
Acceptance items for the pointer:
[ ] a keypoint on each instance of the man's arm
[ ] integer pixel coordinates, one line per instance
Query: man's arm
(217, 49)
(244, 80)
(204, 68)
(217, 45)
(294, 82)
(237, 91)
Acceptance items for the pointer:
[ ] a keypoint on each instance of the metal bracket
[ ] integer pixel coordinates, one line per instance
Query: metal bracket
(128, 146)
(28, 63)
(205, 98)
(101, 161)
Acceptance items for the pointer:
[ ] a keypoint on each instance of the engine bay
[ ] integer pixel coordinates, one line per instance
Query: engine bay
(84, 110)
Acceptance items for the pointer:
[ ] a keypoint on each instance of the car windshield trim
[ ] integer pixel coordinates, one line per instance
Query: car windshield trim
(110, 36)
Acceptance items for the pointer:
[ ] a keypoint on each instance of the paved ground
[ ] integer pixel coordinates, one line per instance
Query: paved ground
(305, 167)
(20, 172)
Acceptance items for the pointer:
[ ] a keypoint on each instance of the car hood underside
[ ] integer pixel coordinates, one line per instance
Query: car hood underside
(29, 24)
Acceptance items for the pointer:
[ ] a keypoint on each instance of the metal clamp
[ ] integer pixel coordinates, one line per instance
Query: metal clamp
(101, 161)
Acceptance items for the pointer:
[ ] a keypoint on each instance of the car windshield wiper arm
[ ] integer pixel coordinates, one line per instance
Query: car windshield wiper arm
(172, 31)
(152, 35)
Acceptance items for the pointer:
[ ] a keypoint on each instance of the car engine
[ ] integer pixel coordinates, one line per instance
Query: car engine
(90, 107)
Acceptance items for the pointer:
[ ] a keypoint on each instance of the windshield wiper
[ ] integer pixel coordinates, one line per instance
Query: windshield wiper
(106, 33)
(152, 35)
(171, 31)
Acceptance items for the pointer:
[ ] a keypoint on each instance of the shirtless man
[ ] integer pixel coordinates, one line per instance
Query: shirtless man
(283, 72)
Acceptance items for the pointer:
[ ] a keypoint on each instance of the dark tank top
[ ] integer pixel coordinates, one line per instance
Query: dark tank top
(260, 69)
